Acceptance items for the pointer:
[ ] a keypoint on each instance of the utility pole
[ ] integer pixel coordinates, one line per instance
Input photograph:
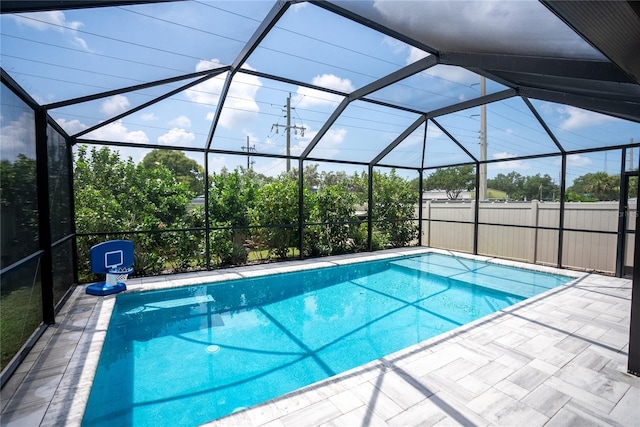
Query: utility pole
(288, 128)
(249, 149)
(288, 132)
(483, 142)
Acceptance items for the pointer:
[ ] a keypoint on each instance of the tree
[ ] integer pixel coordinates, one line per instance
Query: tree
(598, 185)
(540, 187)
(518, 187)
(231, 196)
(276, 213)
(633, 186)
(394, 204)
(453, 180)
(114, 195)
(186, 170)
(311, 177)
(18, 197)
(333, 178)
(511, 183)
(334, 207)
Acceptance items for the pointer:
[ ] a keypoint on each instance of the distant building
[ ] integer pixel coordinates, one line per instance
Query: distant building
(198, 201)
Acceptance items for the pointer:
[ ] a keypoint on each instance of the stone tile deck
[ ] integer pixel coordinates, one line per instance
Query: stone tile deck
(558, 359)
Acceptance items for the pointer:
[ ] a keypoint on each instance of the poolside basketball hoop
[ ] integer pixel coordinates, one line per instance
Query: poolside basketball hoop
(113, 259)
(118, 274)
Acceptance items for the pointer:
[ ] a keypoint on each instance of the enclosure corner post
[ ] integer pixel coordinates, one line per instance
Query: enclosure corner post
(301, 208)
(420, 213)
(370, 210)
(563, 184)
(476, 211)
(207, 220)
(633, 365)
(44, 217)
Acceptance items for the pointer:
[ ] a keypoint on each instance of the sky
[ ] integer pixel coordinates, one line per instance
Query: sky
(62, 55)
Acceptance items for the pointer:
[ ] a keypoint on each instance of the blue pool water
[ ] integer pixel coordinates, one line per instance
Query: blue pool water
(189, 355)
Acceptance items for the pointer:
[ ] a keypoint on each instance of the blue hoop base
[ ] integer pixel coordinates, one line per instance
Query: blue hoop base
(101, 289)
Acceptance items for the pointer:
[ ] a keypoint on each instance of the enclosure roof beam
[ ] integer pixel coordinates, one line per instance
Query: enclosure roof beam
(387, 80)
(544, 125)
(292, 81)
(325, 89)
(446, 132)
(11, 83)
(325, 127)
(408, 131)
(396, 76)
(23, 6)
(332, 7)
(259, 34)
(626, 110)
(556, 67)
(211, 73)
(482, 100)
(142, 106)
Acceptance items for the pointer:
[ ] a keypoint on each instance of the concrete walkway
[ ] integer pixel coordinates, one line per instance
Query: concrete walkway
(558, 359)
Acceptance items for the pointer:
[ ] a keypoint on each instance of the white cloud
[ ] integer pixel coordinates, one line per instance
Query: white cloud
(43, 21)
(415, 138)
(416, 54)
(116, 131)
(577, 160)
(82, 43)
(435, 132)
(149, 117)
(547, 108)
(306, 97)
(115, 105)
(515, 165)
(412, 53)
(451, 74)
(53, 20)
(580, 119)
(396, 45)
(15, 135)
(333, 82)
(328, 146)
(217, 163)
(208, 92)
(240, 105)
(72, 126)
(181, 122)
(298, 6)
(444, 73)
(176, 136)
(463, 25)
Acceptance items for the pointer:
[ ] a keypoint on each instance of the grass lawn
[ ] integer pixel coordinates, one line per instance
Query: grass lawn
(257, 255)
(20, 315)
(492, 194)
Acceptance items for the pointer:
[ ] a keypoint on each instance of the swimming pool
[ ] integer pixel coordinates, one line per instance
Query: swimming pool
(189, 355)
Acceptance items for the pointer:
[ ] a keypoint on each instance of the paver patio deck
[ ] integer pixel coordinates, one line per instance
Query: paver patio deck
(557, 359)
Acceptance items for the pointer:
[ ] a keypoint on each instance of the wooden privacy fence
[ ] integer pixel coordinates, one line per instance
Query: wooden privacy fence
(528, 231)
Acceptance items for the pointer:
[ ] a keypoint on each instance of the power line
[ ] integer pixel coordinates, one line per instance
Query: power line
(108, 37)
(83, 51)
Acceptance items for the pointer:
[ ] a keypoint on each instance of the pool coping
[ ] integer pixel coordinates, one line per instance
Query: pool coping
(86, 318)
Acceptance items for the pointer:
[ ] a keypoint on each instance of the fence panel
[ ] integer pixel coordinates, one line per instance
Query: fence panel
(590, 249)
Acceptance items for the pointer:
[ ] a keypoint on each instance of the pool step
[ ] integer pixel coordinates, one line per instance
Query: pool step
(484, 276)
